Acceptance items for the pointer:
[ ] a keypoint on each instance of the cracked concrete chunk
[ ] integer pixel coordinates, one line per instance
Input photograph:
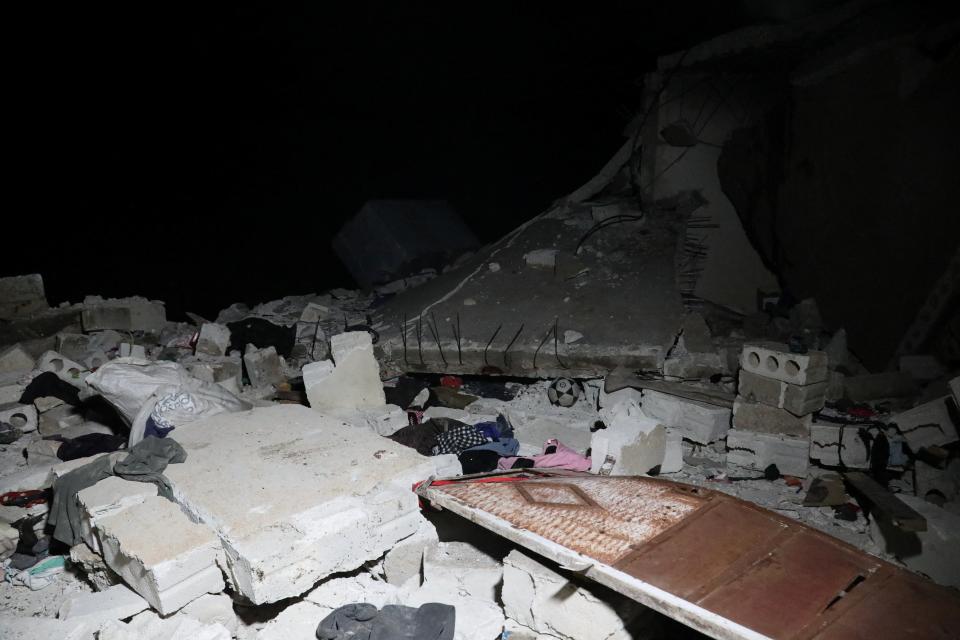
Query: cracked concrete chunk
(547, 602)
(758, 450)
(318, 496)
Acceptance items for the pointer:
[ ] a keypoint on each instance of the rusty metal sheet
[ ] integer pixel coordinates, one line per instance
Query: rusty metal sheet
(721, 565)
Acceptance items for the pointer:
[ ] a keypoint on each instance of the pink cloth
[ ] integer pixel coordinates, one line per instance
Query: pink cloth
(564, 458)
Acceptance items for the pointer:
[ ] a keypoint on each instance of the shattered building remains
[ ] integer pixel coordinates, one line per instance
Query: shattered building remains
(699, 396)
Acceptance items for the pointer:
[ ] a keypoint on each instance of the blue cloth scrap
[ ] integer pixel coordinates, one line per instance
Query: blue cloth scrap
(155, 430)
(504, 447)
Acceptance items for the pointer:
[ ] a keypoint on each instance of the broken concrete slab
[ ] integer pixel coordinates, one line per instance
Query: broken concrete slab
(21, 416)
(263, 366)
(93, 567)
(123, 314)
(214, 339)
(554, 605)
(632, 443)
(696, 421)
(320, 496)
(15, 359)
(927, 425)
(797, 399)
(354, 381)
(759, 450)
(22, 296)
(385, 420)
(834, 445)
(467, 569)
(774, 360)
(476, 618)
(116, 603)
(762, 418)
(299, 620)
(37, 628)
(160, 553)
(405, 559)
(213, 609)
(932, 552)
(879, 386)
(333, 593)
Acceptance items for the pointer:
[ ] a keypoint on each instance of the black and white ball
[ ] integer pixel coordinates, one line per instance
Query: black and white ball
(564, 392)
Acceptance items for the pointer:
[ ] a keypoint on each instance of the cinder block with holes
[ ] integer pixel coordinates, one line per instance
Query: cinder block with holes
(64, 368)
(774, 360)
(797, 399)
(22, 416)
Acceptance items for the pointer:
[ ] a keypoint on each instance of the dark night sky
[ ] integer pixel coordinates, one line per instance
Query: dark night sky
(204, 156)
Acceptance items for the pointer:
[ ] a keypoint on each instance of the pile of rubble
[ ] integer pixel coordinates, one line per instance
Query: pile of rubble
(251, 477)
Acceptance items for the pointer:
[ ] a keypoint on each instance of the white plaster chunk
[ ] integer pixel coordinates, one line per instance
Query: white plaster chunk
(547, 602)
(759, 450)
(149, 626)
(541, 258)
(673, 455)
(299, 620)
(319, 496)
(263, 366)
(21, 416)
(213, 608)
(15, 359)
(385, 420)
(116, 603)
(353, 382)
(476, 618)
(214, 339)
(363, 587)
(405, 559)
(698, 422)
(632, 443)
(160, 553)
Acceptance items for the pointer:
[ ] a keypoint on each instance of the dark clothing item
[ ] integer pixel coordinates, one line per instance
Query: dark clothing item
(432, 621)
(89, 445)
(504, 447)
(155, 430)
(474, 461)
(147, 460)
(423, 436)
(48, 384)
(457, 439)
(145, 463)
(406, 389)
(522, 463)
(263, 334)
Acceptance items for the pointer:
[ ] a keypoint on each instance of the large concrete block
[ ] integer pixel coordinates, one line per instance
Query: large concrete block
(762, 418)
(926, 425)
(696, 421)
(550, 604)
(15, 359)
(116, 603)
(774, 360)
(835, 444)
(214, 339)
(759, 450)
(123, 314)
(21, 296)
(21, 416)
(632, 443)
(161, 554)
(319, 496)
(797, 399)
(353, 382)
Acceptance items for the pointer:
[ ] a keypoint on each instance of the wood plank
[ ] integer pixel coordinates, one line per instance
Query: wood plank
(886, 503)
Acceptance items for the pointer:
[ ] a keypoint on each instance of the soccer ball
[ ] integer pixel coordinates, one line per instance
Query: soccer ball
(564, 392)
